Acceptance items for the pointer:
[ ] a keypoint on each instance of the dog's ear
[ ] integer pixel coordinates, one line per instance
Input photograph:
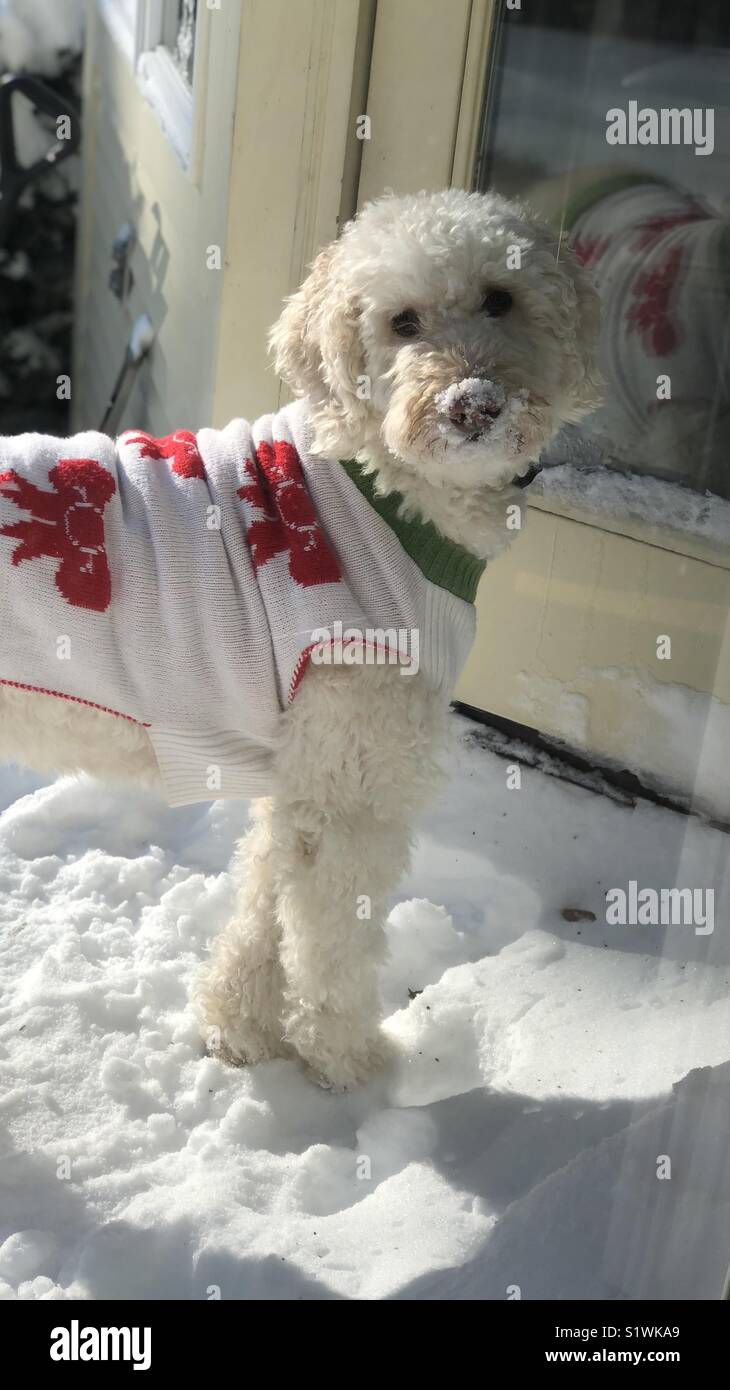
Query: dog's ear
(582, 382)
(316, 343)
(295, 337)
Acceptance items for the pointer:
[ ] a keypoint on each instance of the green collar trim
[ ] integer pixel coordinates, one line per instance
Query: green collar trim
(441, 561)
(588, 197)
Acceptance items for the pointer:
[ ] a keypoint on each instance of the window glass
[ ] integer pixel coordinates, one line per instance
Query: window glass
(614, 121)
(180, 36)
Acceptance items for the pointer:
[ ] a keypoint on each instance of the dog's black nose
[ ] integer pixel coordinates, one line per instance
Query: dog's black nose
(471, 406)
(472, 417)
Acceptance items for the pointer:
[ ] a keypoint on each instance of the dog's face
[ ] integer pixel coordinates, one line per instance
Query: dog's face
(443, 329)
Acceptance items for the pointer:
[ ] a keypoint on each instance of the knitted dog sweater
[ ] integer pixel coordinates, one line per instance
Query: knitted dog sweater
(184, 583)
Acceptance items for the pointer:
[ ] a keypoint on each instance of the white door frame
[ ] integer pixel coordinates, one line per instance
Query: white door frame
(427, 80)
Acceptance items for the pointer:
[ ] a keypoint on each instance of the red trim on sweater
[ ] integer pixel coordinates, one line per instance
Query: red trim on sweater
(75, 699)
(306, 654)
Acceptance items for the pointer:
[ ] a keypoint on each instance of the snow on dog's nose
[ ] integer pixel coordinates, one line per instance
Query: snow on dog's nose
(471, 406)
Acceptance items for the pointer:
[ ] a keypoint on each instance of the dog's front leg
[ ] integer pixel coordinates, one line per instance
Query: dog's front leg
(238, 993)
(354, 766)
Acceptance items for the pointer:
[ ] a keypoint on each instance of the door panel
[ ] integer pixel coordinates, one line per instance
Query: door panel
(569, 618)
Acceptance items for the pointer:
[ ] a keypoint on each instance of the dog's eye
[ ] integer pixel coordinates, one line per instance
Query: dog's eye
(406, 324)
(497, 303)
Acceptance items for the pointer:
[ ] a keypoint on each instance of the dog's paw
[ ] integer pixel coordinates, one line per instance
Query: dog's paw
(345, 1066)
(243, 1045)
(239, 1011)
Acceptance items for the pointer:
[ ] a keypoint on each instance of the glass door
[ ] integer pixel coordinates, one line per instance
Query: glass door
(612, 120)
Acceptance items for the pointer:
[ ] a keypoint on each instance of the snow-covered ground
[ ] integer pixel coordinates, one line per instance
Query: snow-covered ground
(39, 35)
(548, 1068)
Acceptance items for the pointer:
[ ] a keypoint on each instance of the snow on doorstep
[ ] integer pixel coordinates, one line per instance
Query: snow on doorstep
(673, 738)
(683, 739)
(514, 1141)
(634, 496)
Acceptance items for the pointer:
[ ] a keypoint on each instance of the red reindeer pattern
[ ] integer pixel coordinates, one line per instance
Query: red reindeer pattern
(179, 449)
(67, 524)
(590, 249)
(275, 487)
(649, 232)
(649, 313)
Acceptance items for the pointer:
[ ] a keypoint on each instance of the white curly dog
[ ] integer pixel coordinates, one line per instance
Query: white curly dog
(440, 343)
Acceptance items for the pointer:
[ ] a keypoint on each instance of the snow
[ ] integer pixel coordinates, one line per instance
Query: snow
(44, 38)
(466, 402)
(616, 496)
(683, 737)
(185, 42)
(141, 337)
(470, 395)
(674, 738)
(25, 345)
(39, 36)
(515, 1139)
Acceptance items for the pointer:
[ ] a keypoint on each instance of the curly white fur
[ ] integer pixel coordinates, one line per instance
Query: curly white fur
(295, 971)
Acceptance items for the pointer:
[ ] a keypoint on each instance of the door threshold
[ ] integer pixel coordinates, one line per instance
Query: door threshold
(523, 744)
